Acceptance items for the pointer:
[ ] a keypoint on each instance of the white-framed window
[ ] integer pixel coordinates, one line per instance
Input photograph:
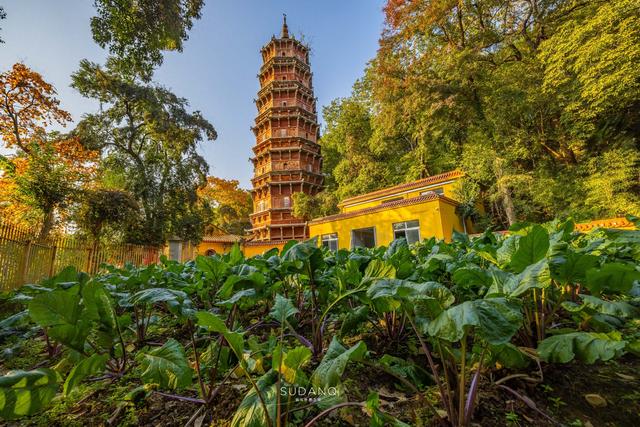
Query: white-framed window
(410, 230)
(330, 241)
(261, 205)
(363, 237)
(283, 132)
(286, 201)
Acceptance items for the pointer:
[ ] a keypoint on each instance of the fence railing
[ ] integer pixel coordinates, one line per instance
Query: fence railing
(26, 259)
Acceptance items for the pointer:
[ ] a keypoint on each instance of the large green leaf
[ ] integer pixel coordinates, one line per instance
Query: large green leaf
(292, 362)
(612, 308)
(237, 297)
(251, 413)
(584, 346)
(391, 294)
(166, 366)
(378, 269)
(332, 366)
(471, 276)
(536, 275)
(614, 277)
(495, 320)
(211, 322)
(282, 309)
(571, 267)
(25, 393)
(88, 366)
(59, 307)
(214, 269)
(307, 252)
(60, 312)
(530, 248)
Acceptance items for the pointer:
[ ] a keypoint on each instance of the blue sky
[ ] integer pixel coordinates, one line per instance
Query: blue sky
(217, 70)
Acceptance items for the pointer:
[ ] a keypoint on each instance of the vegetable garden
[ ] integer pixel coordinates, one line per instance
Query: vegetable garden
(431, 334)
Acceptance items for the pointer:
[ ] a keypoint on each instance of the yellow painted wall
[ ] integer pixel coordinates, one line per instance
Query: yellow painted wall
(247, 250)
(253, 250)
(218, 247)
(449, 191)
(437, 218)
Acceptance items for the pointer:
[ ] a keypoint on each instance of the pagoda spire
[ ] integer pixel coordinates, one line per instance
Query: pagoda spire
(285, 29)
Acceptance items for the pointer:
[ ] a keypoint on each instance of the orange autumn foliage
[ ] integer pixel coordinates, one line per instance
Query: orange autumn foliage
(27, 107)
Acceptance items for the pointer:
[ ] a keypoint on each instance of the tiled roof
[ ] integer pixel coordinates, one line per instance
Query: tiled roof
(227, 238)
(384, 206)
(604, 223)
(406, 186)
(272, 243)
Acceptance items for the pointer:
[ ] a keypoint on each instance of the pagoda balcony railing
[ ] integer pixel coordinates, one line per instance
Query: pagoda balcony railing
(283, 85)
(287, 133)
(277, 167)
(271, 104)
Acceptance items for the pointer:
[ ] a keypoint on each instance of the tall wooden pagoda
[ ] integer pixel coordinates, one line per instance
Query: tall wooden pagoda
(287, 156)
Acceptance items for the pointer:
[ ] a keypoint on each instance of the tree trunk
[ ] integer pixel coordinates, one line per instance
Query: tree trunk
(507, 204)
(504, 191)
(47, 225)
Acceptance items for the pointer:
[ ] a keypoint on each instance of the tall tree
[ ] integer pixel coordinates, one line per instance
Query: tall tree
(137, 32)
(147, 133)
(47, 167)
(230, 204)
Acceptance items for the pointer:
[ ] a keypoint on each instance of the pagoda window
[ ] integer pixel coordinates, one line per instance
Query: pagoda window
(284, 103)
(286, 201)
(284, 77)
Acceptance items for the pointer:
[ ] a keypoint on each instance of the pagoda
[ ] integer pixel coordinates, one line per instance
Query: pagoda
(287, 156)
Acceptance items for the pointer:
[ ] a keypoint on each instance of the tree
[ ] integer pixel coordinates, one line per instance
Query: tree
(308, 207)
(27, 106)
(230, 204)
(48, 167)
(136, 32)
(519, 94)
(3, 15)
(147, 134)
(44, 181)
(100, 208)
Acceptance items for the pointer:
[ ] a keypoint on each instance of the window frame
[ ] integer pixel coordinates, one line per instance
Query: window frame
(375, 236)
(329, 238)
(406, 229)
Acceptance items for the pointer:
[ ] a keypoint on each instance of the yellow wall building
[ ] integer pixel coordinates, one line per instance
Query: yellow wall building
(416, 210)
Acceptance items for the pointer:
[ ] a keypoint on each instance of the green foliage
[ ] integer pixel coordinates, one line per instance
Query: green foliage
(147, 134)
(584, 346)
(137, 32)
(495, 320)
(166, 366)
(445, 316)
(534, 101)
(26, 392)
(88, 366)
(333, 364)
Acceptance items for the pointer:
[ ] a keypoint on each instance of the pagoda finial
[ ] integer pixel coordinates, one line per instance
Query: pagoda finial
(285, 29)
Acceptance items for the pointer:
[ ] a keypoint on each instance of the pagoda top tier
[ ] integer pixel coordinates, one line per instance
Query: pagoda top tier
(284, 41)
